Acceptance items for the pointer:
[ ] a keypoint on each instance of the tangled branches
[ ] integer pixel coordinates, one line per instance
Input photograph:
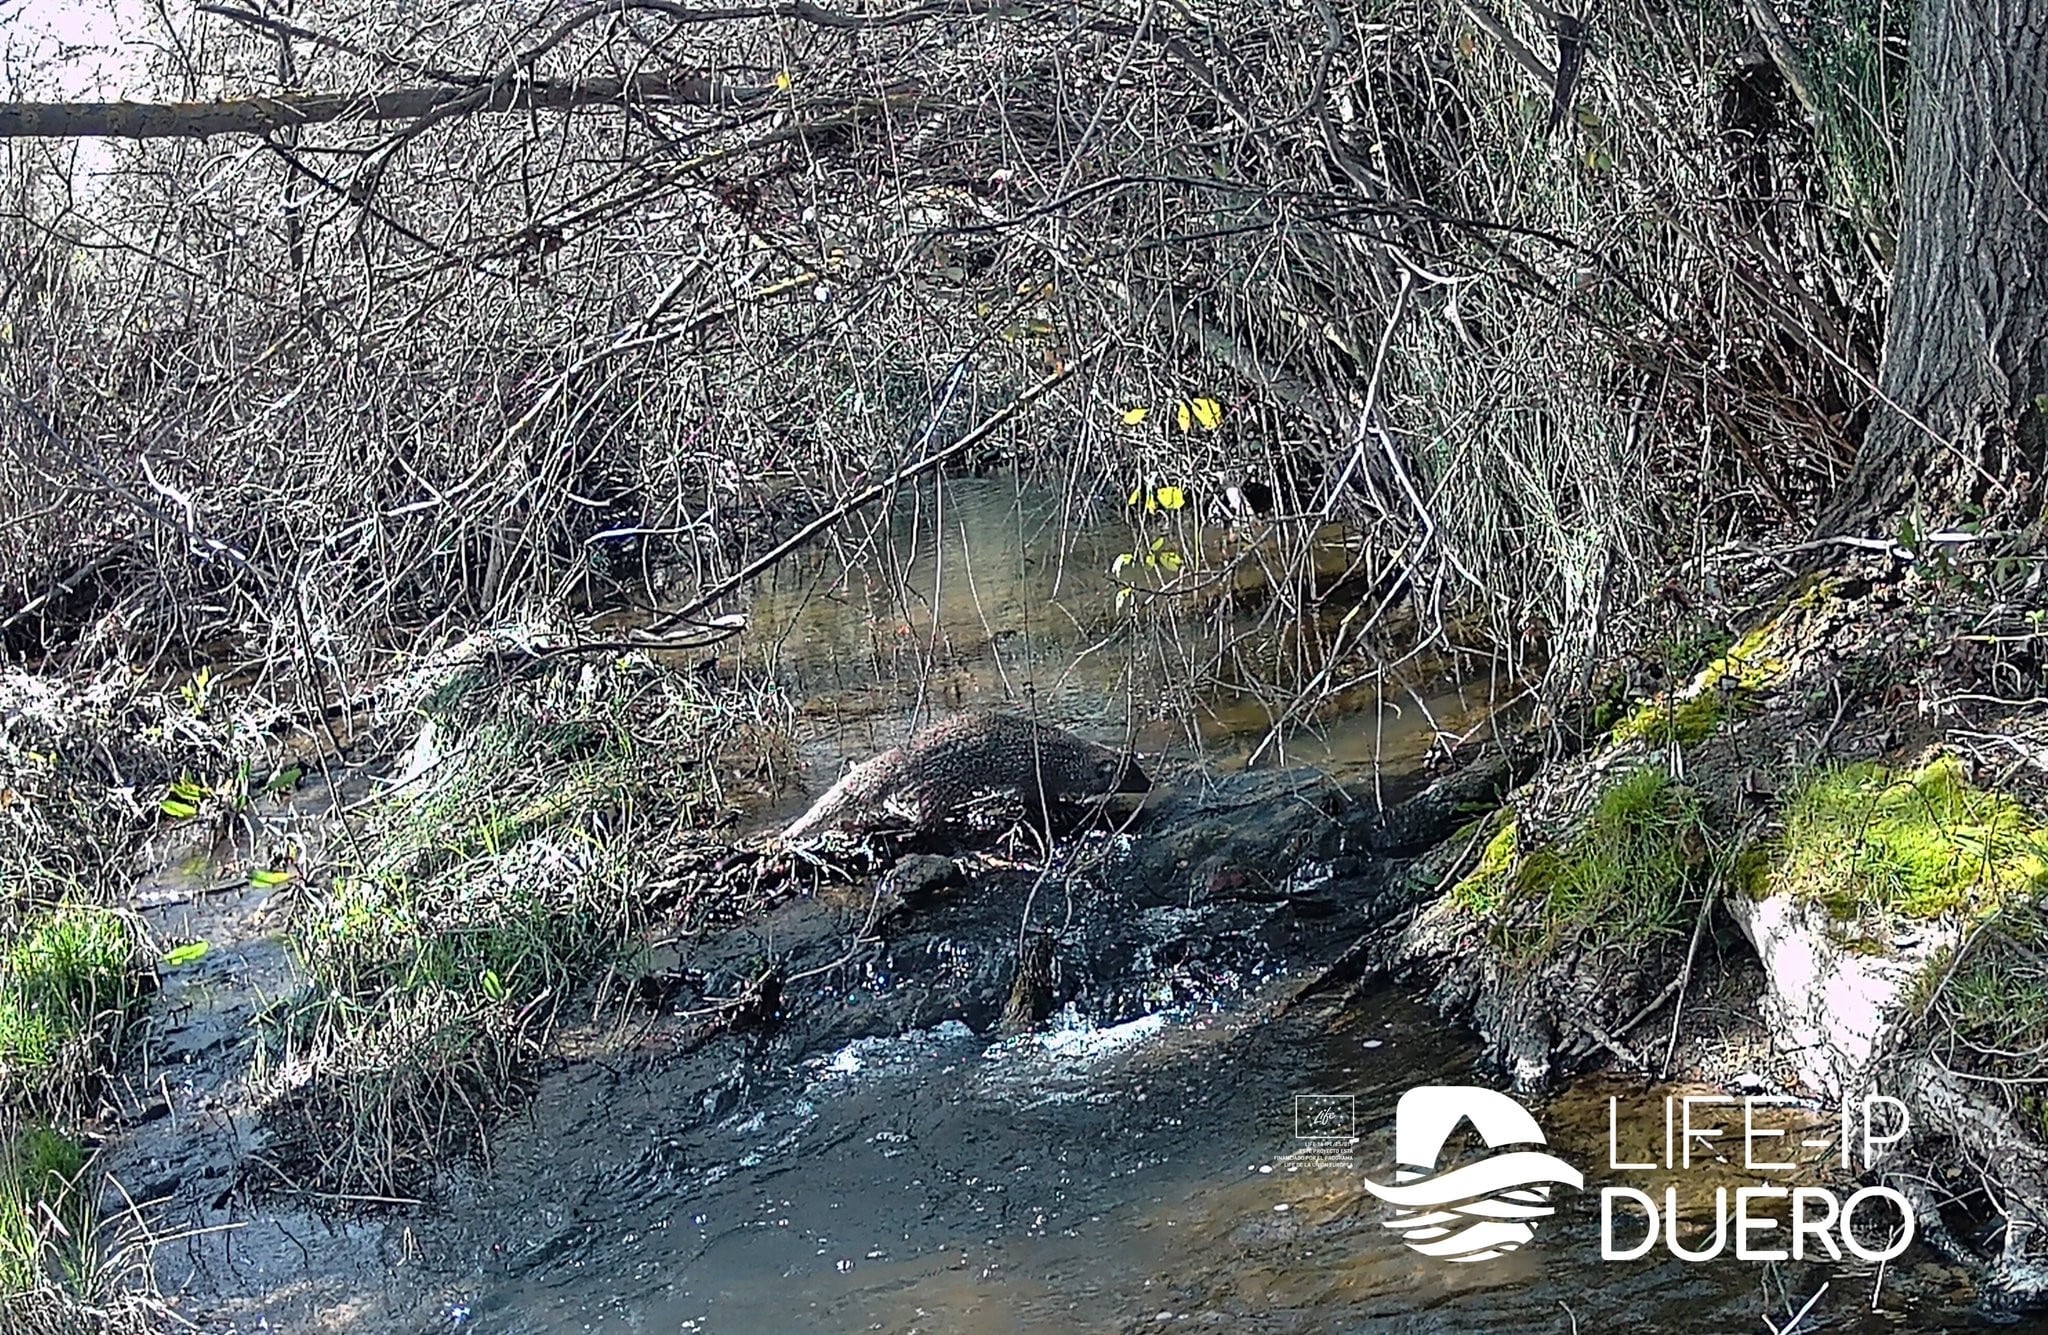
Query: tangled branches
(1535, 338)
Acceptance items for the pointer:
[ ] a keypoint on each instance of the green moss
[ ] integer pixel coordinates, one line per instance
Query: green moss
(42, 1209)
(1753, 870)
(68, 983)
(1724, 686)
(1622, 876)
(1870, 843)
(1815, 592)
(1747, 666)
(1686, 722)
(1480, 891)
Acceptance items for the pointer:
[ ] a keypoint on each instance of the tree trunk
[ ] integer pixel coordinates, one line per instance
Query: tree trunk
(1958, 429)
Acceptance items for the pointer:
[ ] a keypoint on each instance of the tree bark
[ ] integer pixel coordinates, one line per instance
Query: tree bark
(264, 115)
(1958, 430)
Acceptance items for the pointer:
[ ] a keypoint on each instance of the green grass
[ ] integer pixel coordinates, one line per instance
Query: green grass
(42, 1209)
(1860, 72)
(1985, 1004)
(1875, 845)
(1622, 876)
(69, 982)
(482, 898)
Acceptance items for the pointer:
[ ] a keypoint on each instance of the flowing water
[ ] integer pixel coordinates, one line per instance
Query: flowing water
(1147, 1176)
(1141, 1170)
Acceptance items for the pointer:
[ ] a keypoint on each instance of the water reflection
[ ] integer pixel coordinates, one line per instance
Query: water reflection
(982, 592)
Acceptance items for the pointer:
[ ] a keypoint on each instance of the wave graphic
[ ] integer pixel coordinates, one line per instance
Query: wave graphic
(1491, 1176)
(1486, 1208)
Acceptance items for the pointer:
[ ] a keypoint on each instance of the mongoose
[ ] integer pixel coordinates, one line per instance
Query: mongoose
(960, 763)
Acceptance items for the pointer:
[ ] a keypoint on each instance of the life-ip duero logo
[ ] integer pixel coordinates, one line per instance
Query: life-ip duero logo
(1480, 1209)
(1489, 1207)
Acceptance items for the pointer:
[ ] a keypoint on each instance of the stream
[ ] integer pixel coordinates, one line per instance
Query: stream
(881, 1162)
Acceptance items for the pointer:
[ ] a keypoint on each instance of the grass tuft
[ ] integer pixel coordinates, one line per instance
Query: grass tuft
(1985, 1005)
(70, 982)
(42, 1211)
(487, 892)
(1621, 877)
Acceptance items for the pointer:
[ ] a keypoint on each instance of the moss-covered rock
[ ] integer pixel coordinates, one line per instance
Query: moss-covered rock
(1877, 845)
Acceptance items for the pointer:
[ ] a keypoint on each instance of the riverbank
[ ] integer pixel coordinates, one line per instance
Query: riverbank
(338, 995)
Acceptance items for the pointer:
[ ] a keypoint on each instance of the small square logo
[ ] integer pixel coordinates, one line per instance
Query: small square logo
(1326, 1120)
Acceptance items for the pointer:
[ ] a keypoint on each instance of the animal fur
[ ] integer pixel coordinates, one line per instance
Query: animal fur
(968, 762)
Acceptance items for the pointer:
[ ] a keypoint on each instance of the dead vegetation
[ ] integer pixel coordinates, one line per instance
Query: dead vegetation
(489, 896)
(373, 376)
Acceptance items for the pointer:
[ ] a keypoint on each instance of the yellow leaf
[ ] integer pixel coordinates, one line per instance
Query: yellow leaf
(1151, 503)
(782, 80)
(1133, 416)
(1136, 492)
(1169, 560)
(1171, 498)
(1183, 418)
(1208, 413)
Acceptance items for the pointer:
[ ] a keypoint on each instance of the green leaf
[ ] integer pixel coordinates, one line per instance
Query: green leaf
(494, 986)
(268, 879)
(177, 957)
(177, 810)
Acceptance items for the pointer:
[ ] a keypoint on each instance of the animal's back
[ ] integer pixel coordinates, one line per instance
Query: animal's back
(954, 763)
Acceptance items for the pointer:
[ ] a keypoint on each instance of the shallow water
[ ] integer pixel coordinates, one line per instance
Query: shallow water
(982, 592)
(1147, 1176)
(1141, 1171)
